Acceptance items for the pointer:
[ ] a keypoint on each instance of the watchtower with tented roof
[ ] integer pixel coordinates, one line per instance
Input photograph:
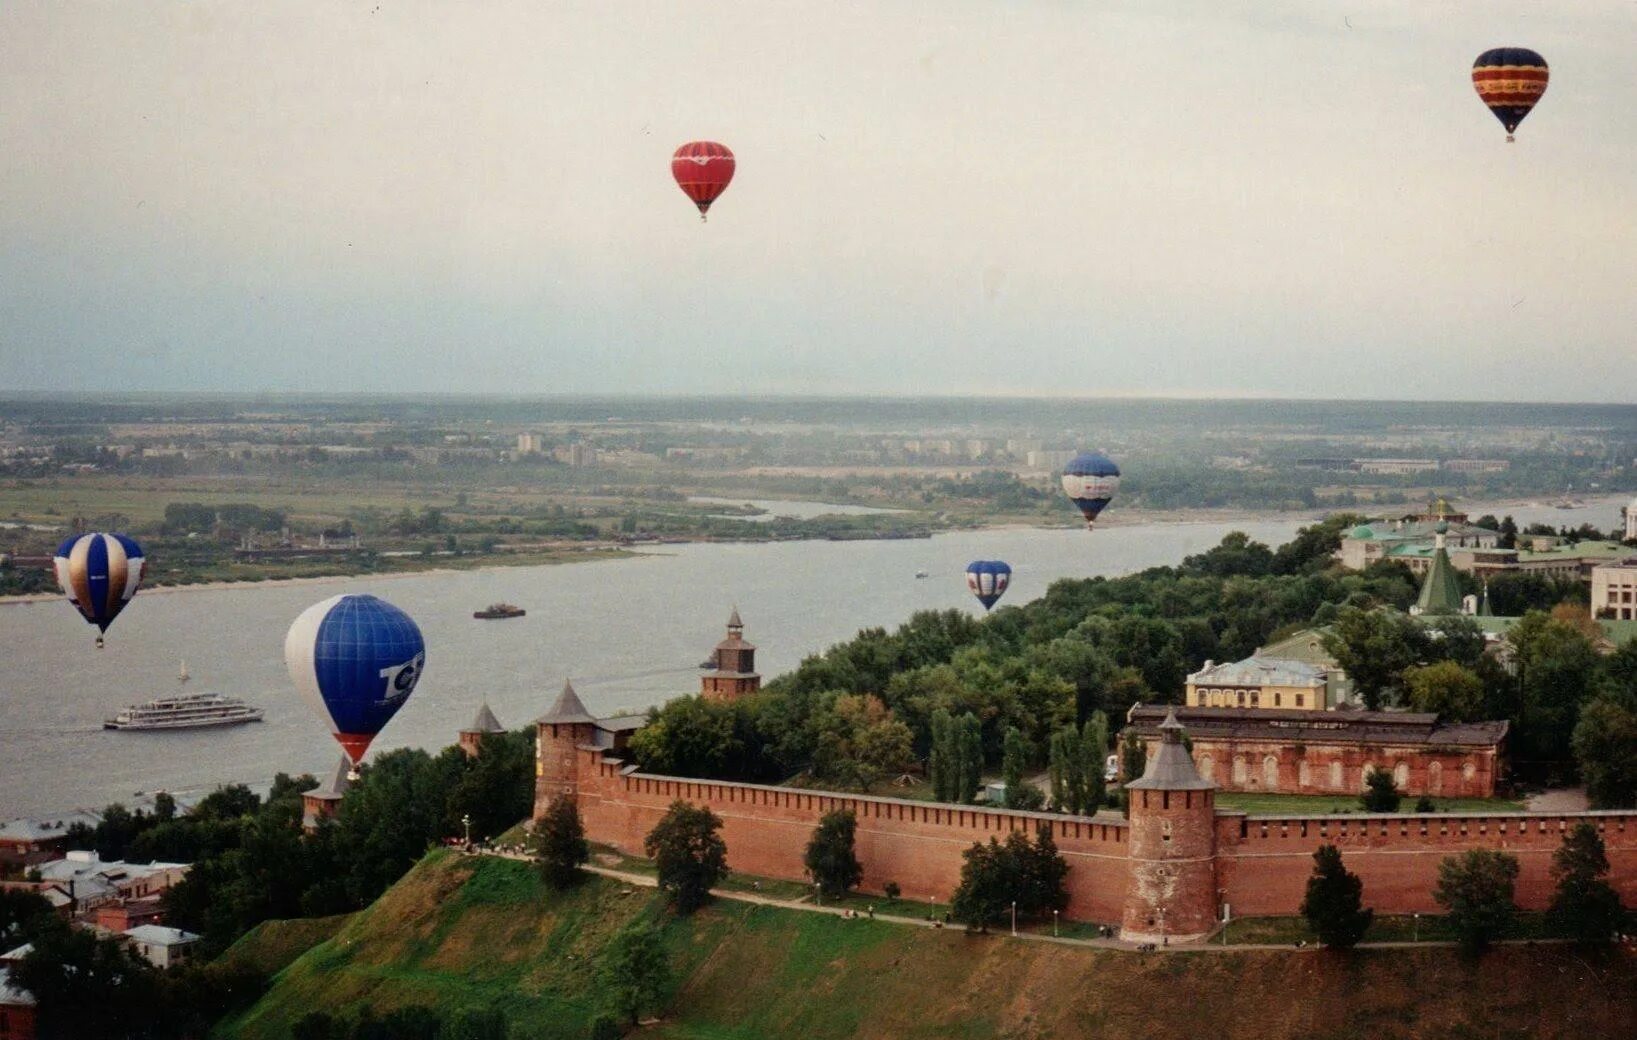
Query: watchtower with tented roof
(734, 675)
(1172, 846)
(558, 735)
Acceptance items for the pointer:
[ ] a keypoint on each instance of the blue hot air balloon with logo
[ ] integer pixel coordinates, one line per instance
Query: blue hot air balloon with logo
(355, 660)
(99, 573)
(1090, 481)
(988, 580)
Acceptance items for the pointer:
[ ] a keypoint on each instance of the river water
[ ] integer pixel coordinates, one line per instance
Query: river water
(630, 633)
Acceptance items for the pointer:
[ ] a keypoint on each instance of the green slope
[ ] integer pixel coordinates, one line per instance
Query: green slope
(458, 932)
(271, 946)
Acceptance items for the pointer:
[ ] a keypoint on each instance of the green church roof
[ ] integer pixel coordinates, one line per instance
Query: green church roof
(1440, 592)
(1363, 531)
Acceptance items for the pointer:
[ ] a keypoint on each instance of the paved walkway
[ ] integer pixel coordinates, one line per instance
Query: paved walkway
(648, 881)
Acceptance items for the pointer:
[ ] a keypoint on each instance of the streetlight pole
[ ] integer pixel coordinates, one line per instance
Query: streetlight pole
(1014, 919)
(1415, 934)
(466, 822)
(1054, 924)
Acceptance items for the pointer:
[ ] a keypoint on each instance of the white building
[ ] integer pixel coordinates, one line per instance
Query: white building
(1614, 590)
(161, 946)
(93, 883)
(1631, 520)
(530, 444)
(1050, 459)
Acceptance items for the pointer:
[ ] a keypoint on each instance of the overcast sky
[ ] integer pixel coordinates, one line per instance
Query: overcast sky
(1214, 198)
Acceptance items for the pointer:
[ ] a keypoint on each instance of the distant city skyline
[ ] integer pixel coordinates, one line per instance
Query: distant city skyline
(1164, 199)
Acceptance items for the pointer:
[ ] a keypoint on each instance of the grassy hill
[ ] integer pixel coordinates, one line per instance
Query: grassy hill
(459, 932)
(271, 946)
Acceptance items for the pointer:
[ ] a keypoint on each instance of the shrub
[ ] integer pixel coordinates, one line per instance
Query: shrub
(1380, 792)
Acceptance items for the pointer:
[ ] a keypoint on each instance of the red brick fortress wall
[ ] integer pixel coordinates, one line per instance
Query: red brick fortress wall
(1263, 862)
(916, 844)
(1260, 864)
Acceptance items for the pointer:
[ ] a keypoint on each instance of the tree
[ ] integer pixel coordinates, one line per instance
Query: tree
(1605, 748)
(969, 757)
(559, 842)
(1476, 889)
(1333, 905)
(1375, 647)
(633, 974)
(1585, 905)
(986, 887)
(1557, 669)
(1133, 756)
(692, 857)
(474, 1024)
(1451, 691)
(1020, 794)
(830, 860)
(941, 761)
(1381, 794)
(1093, 751)
(996, 876)
(496, 787)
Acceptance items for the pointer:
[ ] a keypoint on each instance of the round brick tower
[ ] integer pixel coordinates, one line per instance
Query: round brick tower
(558, 735)
(1171, 896)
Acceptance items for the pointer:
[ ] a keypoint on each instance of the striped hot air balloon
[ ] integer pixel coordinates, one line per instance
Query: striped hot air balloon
(99, 573)
(1090, 481)
(1510, 80)
(988, 580)
(355, 660)
(703, 170)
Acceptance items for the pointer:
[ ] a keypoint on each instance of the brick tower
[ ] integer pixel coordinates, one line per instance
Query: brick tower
(1172, 893)
(484, 723)
(557, 735)
(735, 673)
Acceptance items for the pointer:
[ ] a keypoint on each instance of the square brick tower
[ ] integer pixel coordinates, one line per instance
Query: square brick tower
(735, 673)
(484, 723)
(1172, 893)
(558, 735)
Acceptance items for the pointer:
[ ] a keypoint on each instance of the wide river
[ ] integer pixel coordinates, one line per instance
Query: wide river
(629, 632)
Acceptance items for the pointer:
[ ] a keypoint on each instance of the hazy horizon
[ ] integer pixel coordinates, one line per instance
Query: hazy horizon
(1237, 201)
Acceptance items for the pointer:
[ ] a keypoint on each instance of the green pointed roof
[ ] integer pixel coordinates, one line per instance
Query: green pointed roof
(1440, 592)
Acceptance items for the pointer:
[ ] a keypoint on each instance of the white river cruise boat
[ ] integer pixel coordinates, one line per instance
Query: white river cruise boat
(185, 711)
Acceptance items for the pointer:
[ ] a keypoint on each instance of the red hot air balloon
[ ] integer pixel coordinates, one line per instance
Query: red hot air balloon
(1510, 80)
(703, 170)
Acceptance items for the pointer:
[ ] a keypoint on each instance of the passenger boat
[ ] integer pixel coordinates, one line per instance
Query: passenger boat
(498, 610)
(185, 711)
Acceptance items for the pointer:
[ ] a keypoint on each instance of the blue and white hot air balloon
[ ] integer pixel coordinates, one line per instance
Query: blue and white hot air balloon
(99, 573)
(355, 660)
(1090, 481)
(988, 580)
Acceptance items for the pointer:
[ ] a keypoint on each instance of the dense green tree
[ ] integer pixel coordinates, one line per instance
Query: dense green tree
(85, 985)
(968, 757)
(830, 859)
(1094, 751)
(1334, 905)
(1475, 888)
(474, 1024)
(559, 842)
(1375, 648)
(996, 876)
(1014, 763)
(22, 913)
(1381, 794)
(687, 847)
(1557, 669)
(633, 975)
(1605, 749)
(1449, 690)
(1133, 756)
(941, 762)
(1584, 905)
(1314, 547)
(689, 736)
(495, 788)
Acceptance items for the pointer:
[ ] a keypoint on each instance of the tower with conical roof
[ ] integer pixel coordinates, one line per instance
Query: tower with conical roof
(734, 675)
(558, 736)
(1171, 848)
(483, 723)
(1441, 589)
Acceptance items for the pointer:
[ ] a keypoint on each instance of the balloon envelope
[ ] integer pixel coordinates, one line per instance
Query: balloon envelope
(703, 170)
(99, 573)
(988, 580)
(1090, 481)
(355, 660)
(1510, 80)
